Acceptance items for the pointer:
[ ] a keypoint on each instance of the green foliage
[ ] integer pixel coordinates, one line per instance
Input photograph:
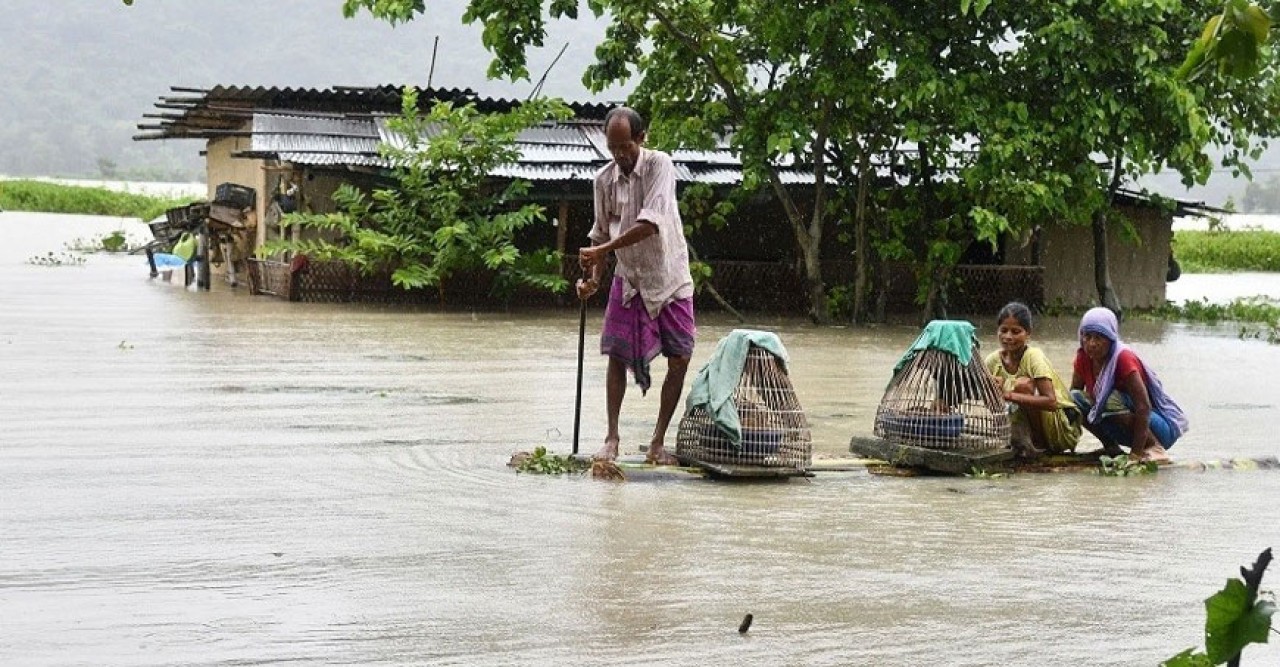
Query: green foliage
(839, 302)
(114, 241)
(1253, 309)
(1219, 251)
(1232, 41)
(1035, 92)
(1123, 466)
(1235, 617)
(44, 197)
(542, 463)
(1260, 310)
(444, 216)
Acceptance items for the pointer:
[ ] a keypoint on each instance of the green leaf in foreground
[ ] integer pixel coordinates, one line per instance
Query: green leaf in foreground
(1234, 620)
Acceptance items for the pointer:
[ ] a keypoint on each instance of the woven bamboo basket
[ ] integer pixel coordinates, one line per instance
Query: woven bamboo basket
(937, 402)
(775, 431)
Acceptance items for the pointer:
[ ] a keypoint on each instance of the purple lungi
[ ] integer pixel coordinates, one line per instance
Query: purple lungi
(634, 338)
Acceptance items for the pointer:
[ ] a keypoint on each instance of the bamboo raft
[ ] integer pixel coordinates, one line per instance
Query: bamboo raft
(634, 467)
(907, 460)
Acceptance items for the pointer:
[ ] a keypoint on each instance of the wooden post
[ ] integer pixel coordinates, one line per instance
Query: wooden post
(562, 234)
(205, 279)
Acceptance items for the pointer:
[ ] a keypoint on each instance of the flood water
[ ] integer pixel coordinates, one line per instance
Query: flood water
(216, 479)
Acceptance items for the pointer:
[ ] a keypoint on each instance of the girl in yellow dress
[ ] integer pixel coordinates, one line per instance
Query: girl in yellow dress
(1037, 398)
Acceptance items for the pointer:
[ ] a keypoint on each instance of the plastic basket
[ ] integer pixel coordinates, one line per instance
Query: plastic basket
(235, 195)
(923, 425)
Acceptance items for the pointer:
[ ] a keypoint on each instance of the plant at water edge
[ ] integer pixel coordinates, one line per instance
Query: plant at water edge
(1123, 466)
(440, 216)
(1236, 616)
(1262, 310)
(60, 259)
(542, 463)
(112, 242)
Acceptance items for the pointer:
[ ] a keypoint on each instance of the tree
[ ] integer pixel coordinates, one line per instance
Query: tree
(985, 117)
(791, 85)
(445, 215)
(1099, 82)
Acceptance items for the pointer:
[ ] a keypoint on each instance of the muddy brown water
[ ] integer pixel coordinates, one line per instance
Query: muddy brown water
(213, 479)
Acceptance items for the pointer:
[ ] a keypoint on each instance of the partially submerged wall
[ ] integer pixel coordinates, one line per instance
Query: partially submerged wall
(1138, 266)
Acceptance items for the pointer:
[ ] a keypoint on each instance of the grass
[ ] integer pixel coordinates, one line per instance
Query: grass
(1224, 251)
(1259, 317)
(41, 197)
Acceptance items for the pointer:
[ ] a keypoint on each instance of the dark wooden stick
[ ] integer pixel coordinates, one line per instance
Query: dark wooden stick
(577, 403)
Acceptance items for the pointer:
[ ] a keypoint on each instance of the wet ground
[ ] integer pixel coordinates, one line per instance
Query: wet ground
(214, 479)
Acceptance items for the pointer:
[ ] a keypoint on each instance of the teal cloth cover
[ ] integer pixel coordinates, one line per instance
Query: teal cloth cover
(717, 379)
(957, 337)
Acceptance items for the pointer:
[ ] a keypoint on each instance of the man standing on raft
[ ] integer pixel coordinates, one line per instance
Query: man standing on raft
(650, 305)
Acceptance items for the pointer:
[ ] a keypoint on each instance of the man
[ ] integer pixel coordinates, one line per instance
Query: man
(650, 305)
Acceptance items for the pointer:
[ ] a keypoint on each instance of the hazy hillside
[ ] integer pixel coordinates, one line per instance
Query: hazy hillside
(77, 77)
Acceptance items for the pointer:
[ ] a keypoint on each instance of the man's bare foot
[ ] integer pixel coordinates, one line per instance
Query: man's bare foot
(1151, 454)
(609, 452)
(659, 456)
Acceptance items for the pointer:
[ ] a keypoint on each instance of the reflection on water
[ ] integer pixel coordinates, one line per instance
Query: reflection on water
(209, 478)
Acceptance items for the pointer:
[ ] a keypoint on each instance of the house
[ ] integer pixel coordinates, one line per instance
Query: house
(310, 141)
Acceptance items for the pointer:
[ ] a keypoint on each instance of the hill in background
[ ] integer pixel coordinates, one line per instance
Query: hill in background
(79, 76)
(77, 81)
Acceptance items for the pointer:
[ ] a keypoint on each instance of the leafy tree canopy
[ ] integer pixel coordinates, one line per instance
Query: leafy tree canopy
(982, 116)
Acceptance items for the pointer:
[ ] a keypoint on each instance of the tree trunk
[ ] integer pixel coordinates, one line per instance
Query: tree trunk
(715, 294)
(808, 247)
(1101, 267)
(1101, 263)
(861, 253)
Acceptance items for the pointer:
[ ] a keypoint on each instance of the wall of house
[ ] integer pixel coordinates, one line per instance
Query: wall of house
(220, 167)
(1138, 265)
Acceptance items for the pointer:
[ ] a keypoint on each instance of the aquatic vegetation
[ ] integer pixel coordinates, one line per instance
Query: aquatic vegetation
(1221, 251)
(44, 197)
(1262, 311)
(60, 259)
(1236, 616)
(114, 241)
(1123, 466)
(540, 462)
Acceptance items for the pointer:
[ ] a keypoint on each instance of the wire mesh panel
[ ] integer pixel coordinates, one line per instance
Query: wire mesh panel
(775, 431)
(937, 402)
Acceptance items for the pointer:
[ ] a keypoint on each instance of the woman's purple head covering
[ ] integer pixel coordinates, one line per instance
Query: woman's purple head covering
(1102, 322)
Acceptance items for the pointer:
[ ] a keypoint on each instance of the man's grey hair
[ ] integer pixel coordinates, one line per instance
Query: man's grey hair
(634, 119)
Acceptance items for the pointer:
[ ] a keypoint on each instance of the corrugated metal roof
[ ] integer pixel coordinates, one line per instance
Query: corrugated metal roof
(274, 133)
(564, 151)
(556, 135)
(335, 125)
(203, 113)
(547, 172)
(559, 154)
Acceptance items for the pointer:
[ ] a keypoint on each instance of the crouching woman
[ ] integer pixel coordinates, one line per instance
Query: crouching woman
(1040, 407)
(1123, 402)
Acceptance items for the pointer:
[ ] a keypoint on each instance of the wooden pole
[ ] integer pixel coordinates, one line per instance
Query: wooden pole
(577, 403)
